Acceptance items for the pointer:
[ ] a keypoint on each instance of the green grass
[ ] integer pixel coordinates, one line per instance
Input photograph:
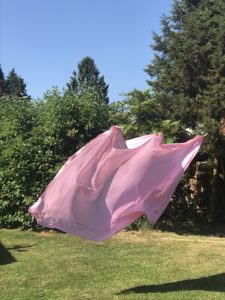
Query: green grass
(132, 265)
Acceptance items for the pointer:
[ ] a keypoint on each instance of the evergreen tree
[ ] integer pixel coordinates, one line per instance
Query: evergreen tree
(188, 78)
(2, 82)
(88, 74)
(88, 79)
(73, 84)
(15, 85)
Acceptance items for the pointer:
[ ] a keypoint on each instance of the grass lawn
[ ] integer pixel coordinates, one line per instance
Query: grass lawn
(132, 265)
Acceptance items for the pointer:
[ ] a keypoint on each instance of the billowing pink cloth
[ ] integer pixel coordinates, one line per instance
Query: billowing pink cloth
(109, 183)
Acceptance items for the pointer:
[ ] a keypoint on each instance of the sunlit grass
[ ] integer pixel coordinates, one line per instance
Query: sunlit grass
(132, 265)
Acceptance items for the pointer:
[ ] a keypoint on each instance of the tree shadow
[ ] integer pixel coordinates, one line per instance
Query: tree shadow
(6, 257)
(20, 248)
(213, 283)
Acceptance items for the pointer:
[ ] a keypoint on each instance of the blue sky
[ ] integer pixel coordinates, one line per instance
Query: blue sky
(45, 39)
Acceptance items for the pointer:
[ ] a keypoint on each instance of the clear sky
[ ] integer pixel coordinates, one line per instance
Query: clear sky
(45, 39)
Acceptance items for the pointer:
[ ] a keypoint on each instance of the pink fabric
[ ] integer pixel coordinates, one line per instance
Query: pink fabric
(109, 183)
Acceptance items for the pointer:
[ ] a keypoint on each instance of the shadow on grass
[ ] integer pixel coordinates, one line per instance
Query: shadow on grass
(6, 257)
(214, 283)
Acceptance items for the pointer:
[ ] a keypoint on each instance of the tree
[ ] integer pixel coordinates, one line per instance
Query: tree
(17, 160)
(2, 82)
(36, 138)
(15, 85)
(73, 84)
(188, 76)
(88, 79)
(139, 114)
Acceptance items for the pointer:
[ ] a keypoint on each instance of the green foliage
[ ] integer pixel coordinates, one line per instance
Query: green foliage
(140, 113)
(16, 161)
(35, 139)
(70, 120)
(188, 76)
(2, 82)
(88, 80)
(15, 85)
(188, 70)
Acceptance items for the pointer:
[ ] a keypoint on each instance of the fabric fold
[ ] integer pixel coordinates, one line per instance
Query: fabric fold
(110, 182)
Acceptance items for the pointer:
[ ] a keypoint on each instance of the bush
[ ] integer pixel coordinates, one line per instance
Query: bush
(36, 137)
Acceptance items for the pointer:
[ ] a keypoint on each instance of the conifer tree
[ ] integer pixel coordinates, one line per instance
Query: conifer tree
(15, 85)
(88, 79)
(73, 85)
(2, 82)
(188, 78)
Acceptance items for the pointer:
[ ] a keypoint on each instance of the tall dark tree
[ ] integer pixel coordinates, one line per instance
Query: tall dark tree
(188, 78)
(15, 85)
(2, 82)
(73, 84)
(88, 79)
